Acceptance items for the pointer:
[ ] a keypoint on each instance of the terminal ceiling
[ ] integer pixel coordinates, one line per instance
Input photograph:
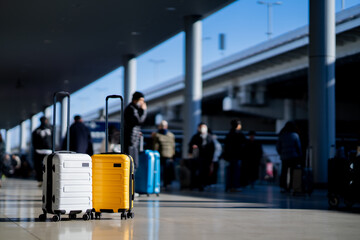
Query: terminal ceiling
(46, 46)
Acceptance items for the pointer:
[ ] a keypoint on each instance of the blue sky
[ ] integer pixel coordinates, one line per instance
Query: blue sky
(244, 23)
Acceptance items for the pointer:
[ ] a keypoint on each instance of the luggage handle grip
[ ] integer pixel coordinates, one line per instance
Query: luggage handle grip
(66, 94)
(121, 122)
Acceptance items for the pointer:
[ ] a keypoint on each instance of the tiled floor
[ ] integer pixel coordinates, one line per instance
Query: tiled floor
(262, 213)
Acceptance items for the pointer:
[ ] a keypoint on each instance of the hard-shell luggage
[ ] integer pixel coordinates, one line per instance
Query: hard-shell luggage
(113, 177)
(148, 173)
(67, 180)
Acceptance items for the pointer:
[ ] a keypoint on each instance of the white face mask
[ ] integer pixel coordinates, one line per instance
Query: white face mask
(203, 130)
(138, 104)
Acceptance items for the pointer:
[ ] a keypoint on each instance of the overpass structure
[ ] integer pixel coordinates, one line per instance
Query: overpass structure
(267, 81)
(267, 85)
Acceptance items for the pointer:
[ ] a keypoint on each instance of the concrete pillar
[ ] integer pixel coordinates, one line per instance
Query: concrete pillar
(193, 81)
(129, 78)
(34, 123)
(8, 141)
(321, 84)
(23, 136)
(63, 119)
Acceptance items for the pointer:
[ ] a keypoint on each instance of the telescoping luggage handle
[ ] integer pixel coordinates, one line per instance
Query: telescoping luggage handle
(121, 123)
(68, 120)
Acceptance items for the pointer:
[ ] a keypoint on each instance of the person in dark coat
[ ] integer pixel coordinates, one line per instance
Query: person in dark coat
(234, 153)
(80, 137)
(2, 156)
(134, 116)
(289, 149)
(201, 149)
(252, 161)
(42, 144)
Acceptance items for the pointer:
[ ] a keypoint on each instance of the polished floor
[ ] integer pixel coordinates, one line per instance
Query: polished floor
(260, 213)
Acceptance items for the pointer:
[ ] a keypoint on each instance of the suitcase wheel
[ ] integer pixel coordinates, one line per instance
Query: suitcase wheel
(42, 217)
(333, 201)
(123, 216)
(130, 215)
(86, 217)
(98, 215)
(56, 218)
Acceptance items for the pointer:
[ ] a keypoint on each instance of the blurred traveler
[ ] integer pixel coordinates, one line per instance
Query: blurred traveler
(80, 137)
(135, 115)
(234, 153)
(252, 160)
(164, 142)
(2, 156)
(42, 144)
(289, 149)
(201, 149)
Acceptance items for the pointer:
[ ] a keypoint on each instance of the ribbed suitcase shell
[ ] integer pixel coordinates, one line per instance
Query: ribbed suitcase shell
(148, 174)
(113, 182)
(67, 183)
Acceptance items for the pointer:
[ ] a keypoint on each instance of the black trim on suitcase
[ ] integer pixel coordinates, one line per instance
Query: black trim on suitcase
(49, 183)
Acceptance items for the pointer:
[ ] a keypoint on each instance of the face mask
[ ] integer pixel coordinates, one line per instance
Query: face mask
(138, 104)
(203, 130)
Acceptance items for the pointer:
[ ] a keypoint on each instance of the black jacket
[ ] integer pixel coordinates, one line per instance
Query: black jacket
(206, 147)
(234, 146)
(41, 137)
(80, 139)
(134, 117)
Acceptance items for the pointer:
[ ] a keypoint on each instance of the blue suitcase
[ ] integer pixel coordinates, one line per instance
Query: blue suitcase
(147, 177)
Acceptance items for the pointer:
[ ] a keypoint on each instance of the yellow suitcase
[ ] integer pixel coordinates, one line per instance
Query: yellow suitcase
(113, 177)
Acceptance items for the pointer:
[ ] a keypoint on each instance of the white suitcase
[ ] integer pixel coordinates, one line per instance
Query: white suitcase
(67, 182)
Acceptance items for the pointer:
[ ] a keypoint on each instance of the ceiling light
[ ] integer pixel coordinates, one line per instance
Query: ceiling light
(135, 33)
(171, 9)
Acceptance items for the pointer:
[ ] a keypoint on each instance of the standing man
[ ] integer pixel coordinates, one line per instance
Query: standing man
(134, 116)
(234, 148)
(164, 143)
(2, 156)
(41, 141)
(252, 160)
(201, 148)
(80, 138)
(289, 149)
